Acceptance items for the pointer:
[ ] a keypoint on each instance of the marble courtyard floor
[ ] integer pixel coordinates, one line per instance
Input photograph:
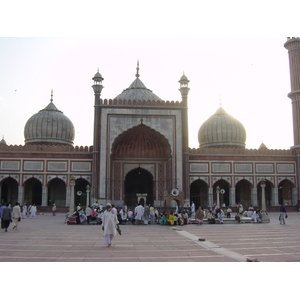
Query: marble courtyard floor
(48, 239)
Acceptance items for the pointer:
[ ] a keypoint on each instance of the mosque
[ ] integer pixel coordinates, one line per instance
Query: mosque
(140, 154)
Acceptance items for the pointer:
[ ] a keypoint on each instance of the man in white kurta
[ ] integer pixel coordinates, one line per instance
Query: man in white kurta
(24, 211)
(32, 211)
(139, 212)
(193, 210)
(109, 223)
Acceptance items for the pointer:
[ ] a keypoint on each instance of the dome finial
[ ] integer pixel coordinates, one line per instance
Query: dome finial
(51, 100)
(137, 69)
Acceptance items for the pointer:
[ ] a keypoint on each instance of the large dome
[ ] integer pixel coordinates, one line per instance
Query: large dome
(49, 126)
(222, 130)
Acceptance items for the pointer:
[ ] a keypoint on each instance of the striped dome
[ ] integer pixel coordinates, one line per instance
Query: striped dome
(49, 126)
(222, 130)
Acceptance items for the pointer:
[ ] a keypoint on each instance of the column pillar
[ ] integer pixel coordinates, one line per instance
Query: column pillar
(88, 195)
(263, 195)
(45, 196)
(218, 196)
(294, 196)
(72, 196)
(210, 197)
(254, 197)
(275, 201)
(21, 195)
(232, 197)
(68, 196)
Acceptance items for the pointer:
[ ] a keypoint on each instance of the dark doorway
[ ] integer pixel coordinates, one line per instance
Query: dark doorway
(138, 181)
(199, 193)
(33, 192)
(81, 192)
(9, 193)
(243, 193)
(57, 192)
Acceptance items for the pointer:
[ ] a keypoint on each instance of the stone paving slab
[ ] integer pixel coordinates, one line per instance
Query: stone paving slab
(48, 239)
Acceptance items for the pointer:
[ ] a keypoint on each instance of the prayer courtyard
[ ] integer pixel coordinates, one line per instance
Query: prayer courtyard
(48, 239)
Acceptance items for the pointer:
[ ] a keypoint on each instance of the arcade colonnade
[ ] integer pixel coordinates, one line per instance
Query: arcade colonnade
(222, 194)
(32, 191)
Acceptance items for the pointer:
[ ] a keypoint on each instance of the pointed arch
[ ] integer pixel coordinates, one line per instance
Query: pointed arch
(199, 193)
(57, 192)
(243, 192)
(138, 181)
(224, 197)
(33, 191)
(9, 190)
(141, 141)
(285, 194)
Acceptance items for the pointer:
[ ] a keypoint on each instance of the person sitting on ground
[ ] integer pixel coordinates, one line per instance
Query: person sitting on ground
(211, 217)
(129, 214)
(163, 219)
(255, 216)
(238, 217)
(93, 212)
(199, 215)
(123, 214)
(88, 213)
(171, 218)
(119, 217)
(175, 219)
(259, 216)
(82, 217)
(180, 220)
(250, 213)
(228, 212)
(185, 217)
(220, 215)
(245, 213)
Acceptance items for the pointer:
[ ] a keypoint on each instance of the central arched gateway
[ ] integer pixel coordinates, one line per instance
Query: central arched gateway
(141, 166)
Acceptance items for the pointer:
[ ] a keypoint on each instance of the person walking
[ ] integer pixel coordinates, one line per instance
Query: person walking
(139, 214)
(24, 211)
(32, 211)
(283, 215)
(146, 214)
(109, 223)
(6, 217)
(54, 209)
(16, 215)
(152, 215)
(193, 211)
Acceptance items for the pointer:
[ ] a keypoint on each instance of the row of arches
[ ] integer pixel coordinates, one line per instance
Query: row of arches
(32, 192)
(140, 181)
(243, 193)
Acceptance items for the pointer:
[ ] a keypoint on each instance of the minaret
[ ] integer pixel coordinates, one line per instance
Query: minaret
(293, 47)
(97, 87)
(184, 90)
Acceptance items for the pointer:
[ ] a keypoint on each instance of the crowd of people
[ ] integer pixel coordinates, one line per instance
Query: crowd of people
(9, 214)
(148, 214)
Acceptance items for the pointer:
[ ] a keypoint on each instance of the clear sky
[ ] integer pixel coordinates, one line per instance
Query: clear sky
(231, 51)
(249, 76)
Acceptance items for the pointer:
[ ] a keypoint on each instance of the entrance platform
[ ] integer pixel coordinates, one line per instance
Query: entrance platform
(48, 239)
